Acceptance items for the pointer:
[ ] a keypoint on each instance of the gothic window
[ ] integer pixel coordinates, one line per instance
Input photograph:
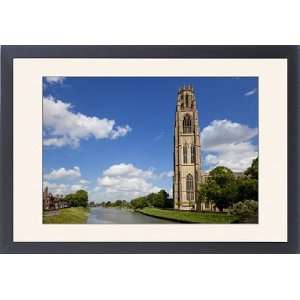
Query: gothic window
(186, 100)
(187, 124)
(185, 154)
(193, 154)
(189, 187)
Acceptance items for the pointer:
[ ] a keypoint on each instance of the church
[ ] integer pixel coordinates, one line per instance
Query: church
(187, 153)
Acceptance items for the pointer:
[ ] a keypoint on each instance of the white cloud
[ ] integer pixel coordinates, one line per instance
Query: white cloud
(56, 188)
(237, 157)
(54, 79)
(63, 173)
(127, 170)
(84, 181)
(223, 132)
(64, 127)
(125, 181)
(167, 174)
(119, 181)
(77, 187)
(251, 92)
(228, 144)
(64, 189)
(211, 159)
(119, 132)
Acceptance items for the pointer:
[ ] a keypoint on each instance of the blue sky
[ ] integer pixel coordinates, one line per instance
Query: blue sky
(114, 135)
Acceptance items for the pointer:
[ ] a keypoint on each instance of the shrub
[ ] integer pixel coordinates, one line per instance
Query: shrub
(246, 211)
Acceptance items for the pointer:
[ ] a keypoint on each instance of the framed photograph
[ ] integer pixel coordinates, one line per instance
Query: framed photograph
(149, 149)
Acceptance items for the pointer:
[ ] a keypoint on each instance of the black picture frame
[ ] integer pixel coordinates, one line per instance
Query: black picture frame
(9, 53)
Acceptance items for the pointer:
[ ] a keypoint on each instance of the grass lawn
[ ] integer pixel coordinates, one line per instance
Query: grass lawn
(73, 215)
(188, 217)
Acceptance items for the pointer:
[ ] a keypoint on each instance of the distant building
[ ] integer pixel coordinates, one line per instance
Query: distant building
(51, 202)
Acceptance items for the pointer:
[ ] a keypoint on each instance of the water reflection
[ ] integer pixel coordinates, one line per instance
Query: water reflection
(101, 215)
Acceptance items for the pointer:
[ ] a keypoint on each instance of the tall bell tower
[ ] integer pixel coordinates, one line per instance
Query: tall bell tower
(187, 151)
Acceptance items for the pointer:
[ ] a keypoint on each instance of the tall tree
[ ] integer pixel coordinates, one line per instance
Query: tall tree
(247, 188)
(221, 187)
(80, 198)
(252, 171)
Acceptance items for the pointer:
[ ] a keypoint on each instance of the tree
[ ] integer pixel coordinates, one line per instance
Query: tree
(201, 195)
(108, 204)
(247, 188)
(252, 172)
(151, 199)
(222, 176)
(161, 199)
(246, 211)
(118, 203)
(80, 198)
(69, 198)
(139, 203)
(169, 203)
(221, 187)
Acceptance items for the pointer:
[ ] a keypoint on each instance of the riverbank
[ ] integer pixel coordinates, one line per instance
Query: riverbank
(187, 216)
(73, 215)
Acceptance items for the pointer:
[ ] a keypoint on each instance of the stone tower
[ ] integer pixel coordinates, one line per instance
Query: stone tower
(187, 161)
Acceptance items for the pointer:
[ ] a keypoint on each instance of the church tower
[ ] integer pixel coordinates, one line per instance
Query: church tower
(187, 160)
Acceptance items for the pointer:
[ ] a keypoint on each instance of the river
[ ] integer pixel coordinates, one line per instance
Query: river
(101, 215)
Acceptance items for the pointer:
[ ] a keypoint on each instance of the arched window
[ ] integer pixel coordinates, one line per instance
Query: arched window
(186, 101)
(193, 154)
(189, 188)
(185, 154)
(187, 124)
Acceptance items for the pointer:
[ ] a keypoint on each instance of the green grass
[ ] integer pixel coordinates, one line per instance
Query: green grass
(73, 215)
(189, 217)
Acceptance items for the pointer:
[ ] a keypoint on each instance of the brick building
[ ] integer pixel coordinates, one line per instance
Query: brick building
(51, 202)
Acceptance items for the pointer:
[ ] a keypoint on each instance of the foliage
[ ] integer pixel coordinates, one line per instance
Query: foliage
(80, 198)
(140, 202)
(221, 187)
(73, 215)
(247, 188)
(160, 199)
(118, 203)
(152, 199)
(222, 176)
(246, 211)
(252, 172)
(108, 204)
